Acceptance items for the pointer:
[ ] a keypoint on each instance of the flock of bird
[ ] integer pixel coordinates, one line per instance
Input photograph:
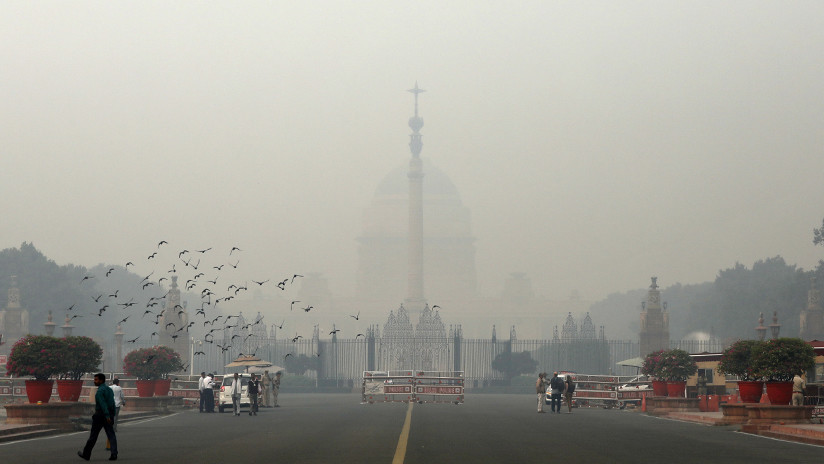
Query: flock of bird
(204, 271)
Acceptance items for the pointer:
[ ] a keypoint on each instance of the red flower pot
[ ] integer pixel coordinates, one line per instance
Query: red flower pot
(162, 387)
(659, 388)
(780, 393)
(145, 388)
(69, 390)
(676, 389)
(750, 391)
(39, 391)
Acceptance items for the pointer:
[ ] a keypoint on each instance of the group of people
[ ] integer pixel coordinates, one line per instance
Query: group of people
(557, 387)
(265, 388)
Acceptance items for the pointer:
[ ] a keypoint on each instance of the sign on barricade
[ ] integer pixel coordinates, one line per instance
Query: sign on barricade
(409, 386)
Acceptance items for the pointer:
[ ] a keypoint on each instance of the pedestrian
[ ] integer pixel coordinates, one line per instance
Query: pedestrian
(540, 389)
(568, 391)
(234, 391)
(799, 385)
(209, 392)
(119, 400)
(275, 389)
(102, 418)
(556, 389)
(267, 383)
(253, 390)
(201, 388)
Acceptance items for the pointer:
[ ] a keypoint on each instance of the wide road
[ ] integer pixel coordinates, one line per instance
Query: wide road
(337, 429)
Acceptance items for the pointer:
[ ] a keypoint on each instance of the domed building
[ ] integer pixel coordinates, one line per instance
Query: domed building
(448, 244)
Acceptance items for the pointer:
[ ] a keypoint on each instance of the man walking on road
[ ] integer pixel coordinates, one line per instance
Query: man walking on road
(556, 389)
(235, 390)
(103, 418)
(276, 389)
(540, 389)
(568, 391)
(252, 390)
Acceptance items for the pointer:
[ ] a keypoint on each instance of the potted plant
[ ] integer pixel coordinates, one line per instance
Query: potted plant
(82, 355)
(676, 365)
(779, 360)
(168, 361)
(149, 365)
(38, 357)
(652, 368)
(737, 360)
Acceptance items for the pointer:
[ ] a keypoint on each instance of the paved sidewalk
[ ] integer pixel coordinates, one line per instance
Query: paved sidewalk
(812, 433)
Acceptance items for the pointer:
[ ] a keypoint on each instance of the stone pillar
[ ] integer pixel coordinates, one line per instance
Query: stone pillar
(812, 318)
(415, 300)
(49, 325)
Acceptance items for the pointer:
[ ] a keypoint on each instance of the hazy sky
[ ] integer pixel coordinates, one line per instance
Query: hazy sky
(596, 143)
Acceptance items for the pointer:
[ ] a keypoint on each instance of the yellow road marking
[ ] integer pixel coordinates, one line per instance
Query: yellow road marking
(400, 451)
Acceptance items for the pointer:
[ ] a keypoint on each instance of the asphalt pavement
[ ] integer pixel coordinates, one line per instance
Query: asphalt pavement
(312, 428)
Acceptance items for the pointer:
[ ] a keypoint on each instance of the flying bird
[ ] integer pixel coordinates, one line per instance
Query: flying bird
(204, 251)
(129, 264)
(234, 265)
(97, 298)
(133, 340)
(109, 271)
(280, 327)
(359, 335)
(293, 278)
(334, 331)
(308, 308)
(162, 242)
(152, 255)
(85, 278)
(234, 249)
(293, 304)
(114, 295)
(101, 310)
(356, 317)
(182, 253)
(261, 283)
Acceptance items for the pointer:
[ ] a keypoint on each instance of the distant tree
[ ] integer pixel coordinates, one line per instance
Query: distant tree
(513, 364)
(818, 235)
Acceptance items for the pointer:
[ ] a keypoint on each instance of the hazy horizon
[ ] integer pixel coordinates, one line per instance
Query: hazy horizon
(596, 144)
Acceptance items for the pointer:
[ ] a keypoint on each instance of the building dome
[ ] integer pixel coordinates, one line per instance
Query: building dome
(436, 182)
(449, 251)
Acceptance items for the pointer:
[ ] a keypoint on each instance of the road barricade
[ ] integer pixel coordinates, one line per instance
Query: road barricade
(409, 386)
(439, 387)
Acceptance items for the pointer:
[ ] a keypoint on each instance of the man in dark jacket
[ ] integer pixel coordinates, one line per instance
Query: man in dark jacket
(102, 418)
(253, 389)
(556, 386)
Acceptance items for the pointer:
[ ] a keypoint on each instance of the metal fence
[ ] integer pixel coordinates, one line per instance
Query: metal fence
(341, 362)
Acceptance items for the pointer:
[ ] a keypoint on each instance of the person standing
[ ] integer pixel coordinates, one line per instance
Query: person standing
(540, 389)
(556, 389)
(799, 385)
(209, 393)
(235, 390)
(119, 400)
(253, 390)
(200, 387)
(102, 418)
(267, 389)
(275, 389)
(568, 391)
